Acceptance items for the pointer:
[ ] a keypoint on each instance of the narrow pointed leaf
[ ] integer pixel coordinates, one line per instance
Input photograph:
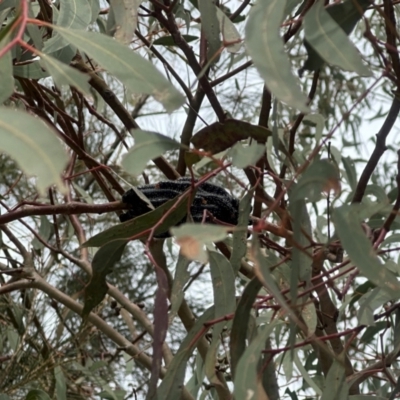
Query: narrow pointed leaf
(266, 48)
(34, 146)
(138, 74)
(330, 41)
(360, 250)
(102, 264)
(139, 224)
(148, 145)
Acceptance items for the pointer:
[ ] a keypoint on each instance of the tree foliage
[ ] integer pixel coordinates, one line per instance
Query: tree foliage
(289, 105)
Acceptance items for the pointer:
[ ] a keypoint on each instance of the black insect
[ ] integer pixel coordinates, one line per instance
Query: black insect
(214, 199)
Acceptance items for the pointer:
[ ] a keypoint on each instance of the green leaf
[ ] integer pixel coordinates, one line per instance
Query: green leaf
(182, 276)
(266, 48)
(74, 14)
(169, 41)
(229, 32)
(34, 146)
(248, 380)
(139, 224)
(193, 237)
(336, 386)
(210, 27)
(321, 176)
(218, 137)
(239, 246)
(126, 17)
(6, 78)
(330, 41)
(243, 156)
(61, 384)
(148, 145)
(223, 281)
(172, 383)
(37, 394)
(32, 70)
(371, 333)
(102, 265)
(64, 75)
(138, 74)
(240, 323)
(45, 230)
(360, 250)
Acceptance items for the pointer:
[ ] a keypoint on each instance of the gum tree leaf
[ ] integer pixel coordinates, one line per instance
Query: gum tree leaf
(248, 380)
(6, 77)
(138, 74)
(240, 322)
(360, 250)
(266, 48)
(139, 224)
(126, 17)
(321, 176)
(74, 14)
(37, 394)
(34, 146)
(61, 384)
(243, 156)
(148, 145)
(330, 41)
(229, 32)
(169, 41)
(192, 238)
(218, 137)
(30, 71)
(64, 75)
(102, 265)
(335, 386)
(210, 27)
(172, 383)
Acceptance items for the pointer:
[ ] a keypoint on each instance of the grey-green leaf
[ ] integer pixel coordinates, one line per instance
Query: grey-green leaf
(63, 74)
(330, 41)
(148, 145)
(360, 250)
(266, 48)
(336, 386)
(138, 74)
(210, 27)
(34, 146)
(6, 78)
(243, 156)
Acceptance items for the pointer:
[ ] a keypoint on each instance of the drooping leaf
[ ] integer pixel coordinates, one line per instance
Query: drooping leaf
(37, 394)
(138, 74)
(32, 70)
(125, 17)
(148, 145)
(182, 275)
(240, 323)
(336, 386)
(61, 384)
(360, 250)
(239, 246)
(321, 176)
(330, 40)
(169, 41)
(192, 238)
(63, 74)
(218, 137)
(6, 78)
(172, 384)
(223, 282)
(248, 380)
(266, 48)
(243, 156)
(102, 264)
(210, 27)
(33, 145)
(139, 224)
(229, 32)
(73, 14)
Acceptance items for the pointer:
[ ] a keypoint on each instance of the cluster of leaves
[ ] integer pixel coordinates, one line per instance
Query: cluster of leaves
(304, 304)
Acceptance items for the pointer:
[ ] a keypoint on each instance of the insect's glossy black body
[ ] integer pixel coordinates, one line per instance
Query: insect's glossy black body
(213, 198)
